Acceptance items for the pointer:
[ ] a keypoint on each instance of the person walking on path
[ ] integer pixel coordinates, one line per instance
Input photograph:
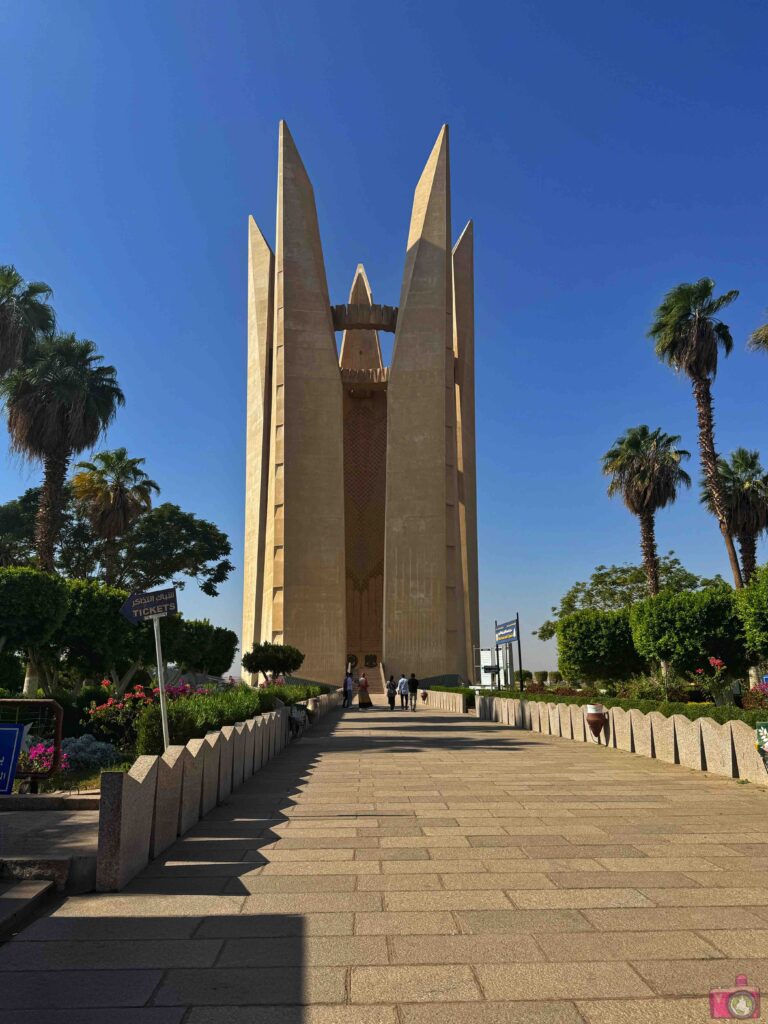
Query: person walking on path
(363, 696)
(402, 689)
(391, 692)
(413, 689)
(347, 687)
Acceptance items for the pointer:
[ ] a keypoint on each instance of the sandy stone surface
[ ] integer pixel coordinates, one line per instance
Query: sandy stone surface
(417, 869)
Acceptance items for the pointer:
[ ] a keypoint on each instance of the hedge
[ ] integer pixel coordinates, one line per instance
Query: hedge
(192, 717)
(728, 713)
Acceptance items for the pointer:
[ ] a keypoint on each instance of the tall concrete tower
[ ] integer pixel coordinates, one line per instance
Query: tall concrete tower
(361, 507)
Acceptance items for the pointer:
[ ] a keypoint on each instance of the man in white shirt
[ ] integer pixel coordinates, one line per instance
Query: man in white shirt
(402, 689)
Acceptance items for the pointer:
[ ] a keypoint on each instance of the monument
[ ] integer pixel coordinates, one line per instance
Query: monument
(361, 508)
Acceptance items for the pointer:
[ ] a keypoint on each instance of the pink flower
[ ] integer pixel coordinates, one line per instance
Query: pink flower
(699, 671)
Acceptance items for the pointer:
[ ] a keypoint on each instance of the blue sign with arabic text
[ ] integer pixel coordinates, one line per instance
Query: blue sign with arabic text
(11, 739)
(506, 632)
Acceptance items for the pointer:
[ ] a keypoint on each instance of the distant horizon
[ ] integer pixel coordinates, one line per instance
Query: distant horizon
(598, 157)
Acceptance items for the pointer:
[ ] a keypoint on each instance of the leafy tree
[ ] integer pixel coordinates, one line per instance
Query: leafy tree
(687, 629)
(753, 610)
(688, 336)
(645, 469)
(758, 339)
(114, 491)
(58, 403)
(205, 648)
(611, 587)
(275, 658)
(541, 677)
(32, 605)
(167, 544)
(744, 484)
(596, 645)
(162, 544)
(523, 675)
(555, 678)
(25, 313)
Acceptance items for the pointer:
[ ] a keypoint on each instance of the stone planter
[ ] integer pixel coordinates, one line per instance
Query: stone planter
(597, 721)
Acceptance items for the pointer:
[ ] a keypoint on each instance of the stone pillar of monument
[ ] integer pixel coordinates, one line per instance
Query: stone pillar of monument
(261, 266)
(365, 452)
(423, 599)
(304, 594)
(464, 352)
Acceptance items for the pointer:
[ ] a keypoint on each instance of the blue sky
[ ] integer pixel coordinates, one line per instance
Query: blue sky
(605, 152)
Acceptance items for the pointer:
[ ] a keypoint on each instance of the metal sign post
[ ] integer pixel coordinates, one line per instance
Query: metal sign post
(161, 681)
(519, 650)
(154, 605)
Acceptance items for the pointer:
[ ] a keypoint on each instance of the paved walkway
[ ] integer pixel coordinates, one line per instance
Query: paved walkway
(398, 868)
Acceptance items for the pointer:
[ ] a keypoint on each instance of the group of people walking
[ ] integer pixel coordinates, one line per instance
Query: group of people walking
(406, 687)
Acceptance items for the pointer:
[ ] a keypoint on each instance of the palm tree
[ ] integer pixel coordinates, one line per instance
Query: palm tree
(645, 469)
(115, 491)
(744, 483)
(58, 403)
(24, 314)
(689, 335)
(758, 339)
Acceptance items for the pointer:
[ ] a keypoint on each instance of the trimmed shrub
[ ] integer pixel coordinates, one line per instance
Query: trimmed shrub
(595, 645)
(541, 677)
(555, 678)
(85, 753)
(523, 674)
(468, 692)
(752, 604)
(688, 628)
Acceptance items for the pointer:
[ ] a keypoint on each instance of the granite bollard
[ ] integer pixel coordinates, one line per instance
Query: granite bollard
(621, 729)
(566, 728)
(125, 823)
(689, 747)
(535, 710)
(225, 761)
(250, 739)
(191, 785)
(749, 763)
(578, 725)
(212, 757)
(165, 820)
(664, 737)
(642, 736)
(238, 755)
(718, 748)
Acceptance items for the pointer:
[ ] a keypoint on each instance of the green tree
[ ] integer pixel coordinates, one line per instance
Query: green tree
(17, 529)
(541, 677)
(687, 629)
(611, 587)
(744, 485)
(645, 469)
(115, 491)
(205, 648)
(25, 314)
(58, 403)
(753, 610)
(275, 658)
(32, 606)
(689, 335)
(596, 645)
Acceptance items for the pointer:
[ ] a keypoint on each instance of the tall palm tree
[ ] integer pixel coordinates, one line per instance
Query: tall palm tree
(744, 484)
(758, 339)
(58, 404)
(688, 336)
(25, 313)
(645, 469)
(115, 491)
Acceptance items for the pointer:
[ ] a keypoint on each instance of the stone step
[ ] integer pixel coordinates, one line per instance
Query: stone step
(71, 874)
(19, 901)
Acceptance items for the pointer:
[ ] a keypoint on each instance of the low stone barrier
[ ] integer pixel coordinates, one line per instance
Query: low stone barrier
(726, 749)
(143, 810)
(456, 702)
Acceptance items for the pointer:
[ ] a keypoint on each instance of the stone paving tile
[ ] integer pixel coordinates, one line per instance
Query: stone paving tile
(401, 883)
(720, 897)
(497, 880)
(573, 980)
(621, 880)
(463, 949)
(422, 984)
(743, 942)
(645, 1011)
(679, 945)
(476, 899)
(405, 923)
(672, 918)
(580, 898)
(102, 955)
(38, 990)
(113, 1014)
(336, 1014)
(477, 922)
(692, 977)
(278, 924)
(343, 951)
(90, 929)
(492, 1013)
(240, 986)
(309, 902)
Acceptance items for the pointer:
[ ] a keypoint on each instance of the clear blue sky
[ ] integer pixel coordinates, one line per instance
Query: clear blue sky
(605, 152)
